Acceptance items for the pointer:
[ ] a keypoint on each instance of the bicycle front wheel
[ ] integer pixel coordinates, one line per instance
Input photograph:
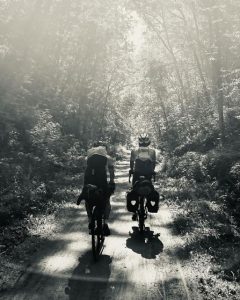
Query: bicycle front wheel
(100, 235)
(97, 237)
(94, 240)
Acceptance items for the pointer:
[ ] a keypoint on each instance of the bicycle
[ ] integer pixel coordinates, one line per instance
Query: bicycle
(143, 188)
(95, 200)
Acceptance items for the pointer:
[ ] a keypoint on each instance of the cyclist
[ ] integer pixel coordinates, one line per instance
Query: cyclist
(142, 161)
(99, 164)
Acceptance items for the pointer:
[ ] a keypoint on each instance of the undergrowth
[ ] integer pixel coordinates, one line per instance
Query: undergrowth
(203, 219)
(20, 216)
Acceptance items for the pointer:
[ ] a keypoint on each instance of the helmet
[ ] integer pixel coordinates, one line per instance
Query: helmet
(144, 140)
(99, 143)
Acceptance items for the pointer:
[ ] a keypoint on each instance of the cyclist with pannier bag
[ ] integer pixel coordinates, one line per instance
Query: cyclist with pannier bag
(142, 166)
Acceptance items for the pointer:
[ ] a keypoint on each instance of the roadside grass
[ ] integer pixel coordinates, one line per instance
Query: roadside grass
(35, 212)
(210, 234)
(22, 237)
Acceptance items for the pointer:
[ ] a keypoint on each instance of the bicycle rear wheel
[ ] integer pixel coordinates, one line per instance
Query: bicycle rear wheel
(97, 235)
(94, 240)
(100, 235)
(141, 215)
(141, 223)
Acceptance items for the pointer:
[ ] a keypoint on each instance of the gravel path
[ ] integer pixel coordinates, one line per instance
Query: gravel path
(131, 266)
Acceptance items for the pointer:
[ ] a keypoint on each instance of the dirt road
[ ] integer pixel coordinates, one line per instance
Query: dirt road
(131, 267)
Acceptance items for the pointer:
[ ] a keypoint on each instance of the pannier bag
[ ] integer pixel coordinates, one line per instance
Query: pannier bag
(143, 188)
(153, 202)
(132, 201)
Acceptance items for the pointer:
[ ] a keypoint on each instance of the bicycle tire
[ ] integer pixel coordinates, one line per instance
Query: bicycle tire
(97, 234)
(100, 236)
(94, 240)
(141, 215)
(141, 223)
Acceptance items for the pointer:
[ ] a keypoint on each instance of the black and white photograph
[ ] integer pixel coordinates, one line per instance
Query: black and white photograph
(119, 149)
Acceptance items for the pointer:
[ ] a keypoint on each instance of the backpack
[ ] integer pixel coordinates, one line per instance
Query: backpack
(96, 172)
(97, 162)
(143, 162)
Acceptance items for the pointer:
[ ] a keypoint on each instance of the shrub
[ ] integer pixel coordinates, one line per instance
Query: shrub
(218, 165)
(189, 165)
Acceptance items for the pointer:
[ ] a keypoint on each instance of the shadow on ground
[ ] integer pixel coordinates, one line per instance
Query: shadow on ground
(147, 244)
(89, 280)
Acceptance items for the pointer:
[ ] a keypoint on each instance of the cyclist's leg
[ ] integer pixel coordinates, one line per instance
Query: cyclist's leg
(107, 210)
(89, 213)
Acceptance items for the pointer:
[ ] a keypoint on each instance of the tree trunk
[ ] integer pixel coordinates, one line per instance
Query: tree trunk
(195, 55)
(218, 78)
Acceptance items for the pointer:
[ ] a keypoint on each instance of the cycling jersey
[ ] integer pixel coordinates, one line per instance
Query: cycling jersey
(144, 155)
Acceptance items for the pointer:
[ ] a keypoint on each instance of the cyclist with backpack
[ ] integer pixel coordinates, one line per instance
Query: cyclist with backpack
(99, 164)
(142, 163)
(143, 159)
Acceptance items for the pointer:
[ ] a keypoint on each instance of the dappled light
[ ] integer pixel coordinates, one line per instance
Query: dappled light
(154, 83)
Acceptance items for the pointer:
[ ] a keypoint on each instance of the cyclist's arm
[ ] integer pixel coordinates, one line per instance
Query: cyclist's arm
(154, 159)
(132, 160)
(111, 173)
(111, 170)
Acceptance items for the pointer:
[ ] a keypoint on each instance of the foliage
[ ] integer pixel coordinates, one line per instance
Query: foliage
(189, 80)
(62, 67)
(83, 71)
